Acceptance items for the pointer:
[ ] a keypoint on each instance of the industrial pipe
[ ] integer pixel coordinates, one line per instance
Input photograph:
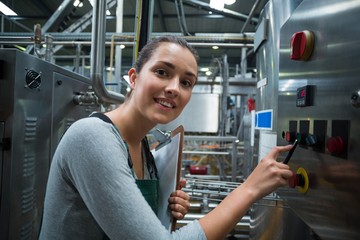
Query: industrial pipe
(98, 55)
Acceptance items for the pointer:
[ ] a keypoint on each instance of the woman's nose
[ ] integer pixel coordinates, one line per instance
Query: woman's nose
(172, 89)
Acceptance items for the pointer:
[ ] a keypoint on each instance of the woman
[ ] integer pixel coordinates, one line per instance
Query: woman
(92, 191)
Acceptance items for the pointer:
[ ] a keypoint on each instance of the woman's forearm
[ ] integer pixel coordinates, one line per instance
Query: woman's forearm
(227, 214)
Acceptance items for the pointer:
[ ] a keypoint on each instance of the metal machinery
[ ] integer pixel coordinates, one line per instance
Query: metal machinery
(269, 215)
(38, 102)
(318, 104)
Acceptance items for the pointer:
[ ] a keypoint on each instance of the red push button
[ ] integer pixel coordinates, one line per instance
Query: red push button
(290, 137)
(335, 145)
(302, 45)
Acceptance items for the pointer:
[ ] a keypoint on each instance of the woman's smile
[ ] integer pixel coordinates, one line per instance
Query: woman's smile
(166, 103)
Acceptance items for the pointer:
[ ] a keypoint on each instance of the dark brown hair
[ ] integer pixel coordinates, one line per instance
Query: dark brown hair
(148, 50)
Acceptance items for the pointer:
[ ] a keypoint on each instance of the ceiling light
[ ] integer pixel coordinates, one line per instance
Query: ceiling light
(215, 47)
(217, 4)
(77, 3)
(204, 69)
(229, 2)
(6, 10)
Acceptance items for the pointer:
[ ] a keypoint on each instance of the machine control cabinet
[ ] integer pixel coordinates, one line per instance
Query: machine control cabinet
(35, 111)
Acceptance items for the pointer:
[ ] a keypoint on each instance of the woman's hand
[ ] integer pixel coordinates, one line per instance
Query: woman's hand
(269, 174)
(266, 177)
(179, 202)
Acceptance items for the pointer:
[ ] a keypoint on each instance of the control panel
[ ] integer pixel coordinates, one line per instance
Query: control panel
(313, 135)
(335, 143)
(319, 106)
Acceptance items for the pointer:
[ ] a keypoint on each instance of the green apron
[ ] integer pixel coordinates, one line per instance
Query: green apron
(149, 189)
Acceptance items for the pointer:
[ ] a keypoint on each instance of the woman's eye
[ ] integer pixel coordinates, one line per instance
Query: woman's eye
(161, 72)
(187, 83)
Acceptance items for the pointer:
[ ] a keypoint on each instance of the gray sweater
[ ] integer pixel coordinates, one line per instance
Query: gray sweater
(91, 192)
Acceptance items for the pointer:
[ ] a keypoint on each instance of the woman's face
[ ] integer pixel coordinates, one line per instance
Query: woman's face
(163, 87)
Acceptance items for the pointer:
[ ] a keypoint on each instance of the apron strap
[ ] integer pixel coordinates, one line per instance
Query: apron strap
(102, 117)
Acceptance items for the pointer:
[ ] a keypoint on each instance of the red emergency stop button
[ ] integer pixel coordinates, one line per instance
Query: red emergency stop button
(335, 145)
(293, 180)
(299, 179)
(302, 45)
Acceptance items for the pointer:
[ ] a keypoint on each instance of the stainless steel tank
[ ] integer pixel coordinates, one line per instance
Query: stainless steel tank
(36, 108)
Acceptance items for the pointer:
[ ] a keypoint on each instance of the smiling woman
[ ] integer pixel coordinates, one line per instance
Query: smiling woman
(103, 179)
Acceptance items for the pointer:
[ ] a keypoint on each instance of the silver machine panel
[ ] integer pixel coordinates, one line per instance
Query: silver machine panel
(272, 218)
(319, 105)
(36, 108)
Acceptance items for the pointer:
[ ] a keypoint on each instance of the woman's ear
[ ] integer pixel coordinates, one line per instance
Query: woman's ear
(132, 77)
